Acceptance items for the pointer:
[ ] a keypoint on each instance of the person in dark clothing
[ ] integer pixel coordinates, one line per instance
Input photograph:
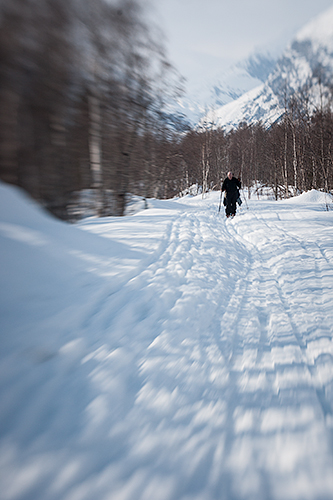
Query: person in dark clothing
(231, 186)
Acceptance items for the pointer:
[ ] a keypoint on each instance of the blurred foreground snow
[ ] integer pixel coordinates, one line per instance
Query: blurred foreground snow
(171, 355)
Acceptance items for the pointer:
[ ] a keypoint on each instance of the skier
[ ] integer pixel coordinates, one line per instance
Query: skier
(231, 186)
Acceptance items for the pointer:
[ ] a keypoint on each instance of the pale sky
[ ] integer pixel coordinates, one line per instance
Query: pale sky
(206, 37)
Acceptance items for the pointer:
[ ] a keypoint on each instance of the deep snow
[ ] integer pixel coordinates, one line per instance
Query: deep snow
(170, 355)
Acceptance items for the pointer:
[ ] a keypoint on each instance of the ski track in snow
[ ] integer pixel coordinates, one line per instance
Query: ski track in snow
(202, 370)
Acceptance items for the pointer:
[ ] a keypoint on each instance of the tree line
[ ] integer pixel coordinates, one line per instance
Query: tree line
(85, 93)
(293, 155)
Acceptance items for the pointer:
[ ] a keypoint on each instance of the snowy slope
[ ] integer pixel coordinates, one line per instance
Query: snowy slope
(226, 86)
(171, 355)
(308, 56)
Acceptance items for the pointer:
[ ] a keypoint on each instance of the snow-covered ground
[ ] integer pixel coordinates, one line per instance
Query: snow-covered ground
(170, 355)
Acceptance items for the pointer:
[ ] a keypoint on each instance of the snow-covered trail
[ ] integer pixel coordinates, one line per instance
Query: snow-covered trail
(199, 364)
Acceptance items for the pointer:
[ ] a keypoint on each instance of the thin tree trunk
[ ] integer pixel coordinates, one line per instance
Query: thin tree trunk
(285, 170)
(9, 101)
(294, 160)
(95, 148)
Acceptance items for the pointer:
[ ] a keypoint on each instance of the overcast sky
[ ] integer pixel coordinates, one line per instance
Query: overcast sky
(206, 37)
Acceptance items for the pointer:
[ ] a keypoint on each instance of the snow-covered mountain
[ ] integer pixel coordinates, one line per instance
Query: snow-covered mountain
(226, 87)
(242, 77)
(306, 65)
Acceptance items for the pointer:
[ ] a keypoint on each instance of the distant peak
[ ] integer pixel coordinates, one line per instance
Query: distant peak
(259, 65)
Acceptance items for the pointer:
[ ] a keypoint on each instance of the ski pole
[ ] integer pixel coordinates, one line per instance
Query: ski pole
(220, 199)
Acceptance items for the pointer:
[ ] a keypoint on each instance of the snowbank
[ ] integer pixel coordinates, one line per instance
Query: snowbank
(312, 197)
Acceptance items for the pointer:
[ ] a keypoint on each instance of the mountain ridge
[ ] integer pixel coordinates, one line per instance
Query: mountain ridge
(306, 65)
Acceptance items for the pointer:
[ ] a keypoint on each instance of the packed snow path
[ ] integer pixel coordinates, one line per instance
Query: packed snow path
(173, 355)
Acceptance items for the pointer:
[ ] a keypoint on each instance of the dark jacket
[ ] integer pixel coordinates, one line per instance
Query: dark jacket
(231, 187)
